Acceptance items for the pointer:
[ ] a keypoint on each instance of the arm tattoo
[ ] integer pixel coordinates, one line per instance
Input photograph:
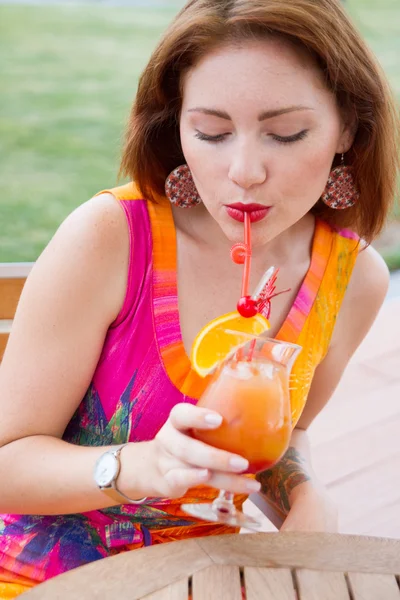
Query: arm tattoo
(277, 483)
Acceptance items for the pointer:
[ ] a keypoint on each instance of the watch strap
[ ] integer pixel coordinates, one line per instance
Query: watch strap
(112, 490)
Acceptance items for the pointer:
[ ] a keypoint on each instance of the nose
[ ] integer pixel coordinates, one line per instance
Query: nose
(247, 167)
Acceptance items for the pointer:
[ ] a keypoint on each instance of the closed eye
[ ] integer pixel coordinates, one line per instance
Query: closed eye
(211, 138)
(278, 138)
(291, 138)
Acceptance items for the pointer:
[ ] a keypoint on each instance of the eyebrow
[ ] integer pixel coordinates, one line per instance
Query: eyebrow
(268, 114)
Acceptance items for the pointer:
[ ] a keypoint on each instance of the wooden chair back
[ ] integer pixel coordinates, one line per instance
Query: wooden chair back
(262, 566)
(12, 280)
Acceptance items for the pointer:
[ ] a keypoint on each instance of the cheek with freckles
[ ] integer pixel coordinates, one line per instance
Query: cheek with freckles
(207, 174)
(306, 178)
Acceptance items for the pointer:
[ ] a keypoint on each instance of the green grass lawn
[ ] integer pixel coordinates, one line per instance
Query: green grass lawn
(68, 75)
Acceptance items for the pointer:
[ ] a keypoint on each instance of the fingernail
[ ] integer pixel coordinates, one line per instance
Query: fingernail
(253, 485)
(238, 463)
(213, 419)
(203, 475)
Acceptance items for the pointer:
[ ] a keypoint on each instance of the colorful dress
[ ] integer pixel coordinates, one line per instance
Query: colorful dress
(142, 373)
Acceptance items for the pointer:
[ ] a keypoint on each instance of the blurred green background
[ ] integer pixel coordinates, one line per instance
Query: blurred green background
(68, 74)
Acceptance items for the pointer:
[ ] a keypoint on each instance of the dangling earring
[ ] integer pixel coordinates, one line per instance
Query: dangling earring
(180, 188)
(341, 191)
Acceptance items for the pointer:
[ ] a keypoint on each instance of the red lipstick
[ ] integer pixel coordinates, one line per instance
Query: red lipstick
(257, 211)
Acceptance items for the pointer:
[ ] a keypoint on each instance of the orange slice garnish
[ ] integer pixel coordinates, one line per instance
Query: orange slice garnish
(220, 339)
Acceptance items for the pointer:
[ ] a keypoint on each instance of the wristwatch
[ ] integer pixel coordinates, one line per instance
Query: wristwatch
(106, 471)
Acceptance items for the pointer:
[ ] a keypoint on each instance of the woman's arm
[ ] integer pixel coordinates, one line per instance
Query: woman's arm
(294, 494)
(291, 487)
(293, 470)
(72, 295)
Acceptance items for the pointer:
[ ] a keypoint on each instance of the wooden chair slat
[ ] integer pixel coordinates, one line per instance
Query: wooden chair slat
(10, 291)
(217, 582)
(366, 586)
(315, 585)
(4, 336)
(269, 584)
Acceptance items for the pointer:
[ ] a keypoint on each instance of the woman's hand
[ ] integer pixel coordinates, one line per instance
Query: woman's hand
(178, 462)
(311, 510)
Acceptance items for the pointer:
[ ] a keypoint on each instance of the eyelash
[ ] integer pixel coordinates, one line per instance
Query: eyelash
(210, 138)
(291, 138)
(281, 140)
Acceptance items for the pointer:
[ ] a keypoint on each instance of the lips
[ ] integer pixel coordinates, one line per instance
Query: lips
(257, 211)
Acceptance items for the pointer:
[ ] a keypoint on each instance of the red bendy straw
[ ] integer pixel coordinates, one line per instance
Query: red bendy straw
(241, 255)
(247, 256)
(260, 301)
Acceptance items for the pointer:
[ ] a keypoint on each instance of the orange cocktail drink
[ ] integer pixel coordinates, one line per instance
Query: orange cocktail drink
(253, 398)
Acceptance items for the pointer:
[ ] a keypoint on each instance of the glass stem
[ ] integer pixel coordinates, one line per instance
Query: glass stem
(224, 503)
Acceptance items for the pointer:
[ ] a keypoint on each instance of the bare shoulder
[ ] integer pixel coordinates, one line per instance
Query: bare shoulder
(364, 297)
(90, 246)
(97, 223)
(370, 278)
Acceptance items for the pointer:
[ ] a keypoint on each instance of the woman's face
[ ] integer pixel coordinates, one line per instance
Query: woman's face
(259, 127)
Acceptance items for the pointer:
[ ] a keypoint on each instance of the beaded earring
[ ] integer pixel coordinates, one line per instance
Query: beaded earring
(180, 188)
(341, 191)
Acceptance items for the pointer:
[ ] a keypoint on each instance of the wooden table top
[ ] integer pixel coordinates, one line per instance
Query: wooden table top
(261, 566)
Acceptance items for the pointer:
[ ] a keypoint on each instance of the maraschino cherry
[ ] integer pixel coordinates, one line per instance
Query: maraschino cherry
(247, 307)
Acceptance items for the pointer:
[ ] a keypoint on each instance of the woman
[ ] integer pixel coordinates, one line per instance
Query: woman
(263, 101)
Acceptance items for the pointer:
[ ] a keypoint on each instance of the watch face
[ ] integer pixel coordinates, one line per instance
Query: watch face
(105, 470)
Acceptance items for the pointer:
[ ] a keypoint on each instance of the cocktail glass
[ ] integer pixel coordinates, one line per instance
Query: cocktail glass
(251, 392)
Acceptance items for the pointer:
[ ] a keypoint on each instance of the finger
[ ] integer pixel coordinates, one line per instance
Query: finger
(237, 484)
(186, 416)
(181, 479)
(199, 454)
